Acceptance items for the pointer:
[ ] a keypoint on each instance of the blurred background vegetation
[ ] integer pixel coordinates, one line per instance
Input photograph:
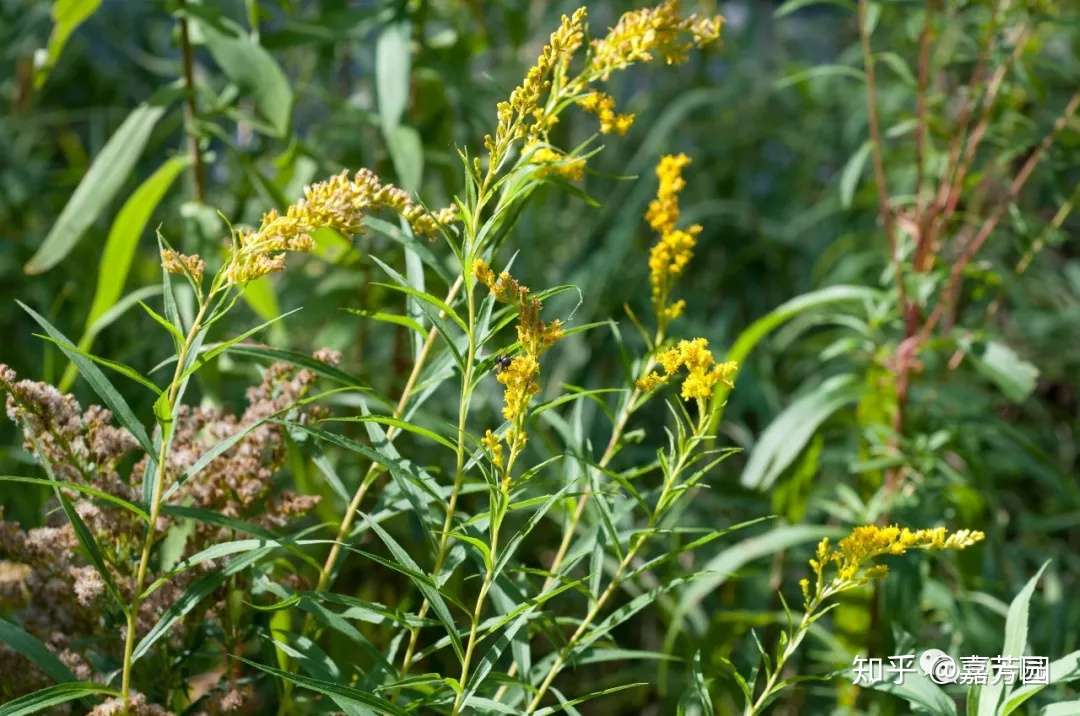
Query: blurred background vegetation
(280, 93)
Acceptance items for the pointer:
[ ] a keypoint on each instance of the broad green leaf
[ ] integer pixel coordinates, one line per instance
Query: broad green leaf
(28, 645)
(789, 432)
(392, 67)
(1062, 670)
(1015, 376)
(127, 228)
(1016, 631)
(260, 295)
(407, 152)
(97, 381)
(67, 15)
(256, 72)
(53, 696)
(107, 174)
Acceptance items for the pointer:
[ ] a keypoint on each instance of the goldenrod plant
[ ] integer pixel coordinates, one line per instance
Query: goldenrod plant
(512, 358)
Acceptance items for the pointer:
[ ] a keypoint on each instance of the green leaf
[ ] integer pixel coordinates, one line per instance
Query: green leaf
(429, 590)
(1062, 670)
(392, 67)
(28, 645)
(302, 360)
(397, 423)
(260, 296)
(389, 318)
(1061, 708)
(107, 174)
(792, 5)
(923, 695)
(756, 331)
(86, 539)
(127, 228)
(195, 593)
(849, 178)
(97, 381)
(256, 72)
(124, 370)
(85, 489)
(407, 152)
(820, 72)
(1016, 630)
(426, 298)
(1013, 375)
(329, 688)
(789, 432)
(718, 569)
(67, 15)
(53, 696)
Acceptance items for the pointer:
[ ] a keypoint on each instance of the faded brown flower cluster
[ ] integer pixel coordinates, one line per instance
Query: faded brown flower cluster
(59, 597)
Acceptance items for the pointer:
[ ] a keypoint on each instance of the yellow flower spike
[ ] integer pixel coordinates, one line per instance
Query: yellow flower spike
(650, 382)
(340, 203)
(176, 262)
(524, 114)
(640, 35)
(853, 557)
(663, 212)
(671, 254)
(521, 381)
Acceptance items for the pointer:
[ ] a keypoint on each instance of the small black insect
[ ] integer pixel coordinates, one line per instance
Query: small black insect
(503, 363)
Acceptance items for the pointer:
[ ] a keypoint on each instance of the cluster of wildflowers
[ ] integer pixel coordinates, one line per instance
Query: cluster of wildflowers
(852, 559)
(703, 372)
(521, 377)
(339, 203)
(671, 254)
(640, 35)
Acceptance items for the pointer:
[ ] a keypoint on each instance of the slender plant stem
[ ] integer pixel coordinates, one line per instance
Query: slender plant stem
(189, 105)
(459, 473)
(155, 505)
(617, 577)
(781, 660)
(374, 469)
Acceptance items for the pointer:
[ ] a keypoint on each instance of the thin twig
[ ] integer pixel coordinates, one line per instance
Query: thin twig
(190, 109)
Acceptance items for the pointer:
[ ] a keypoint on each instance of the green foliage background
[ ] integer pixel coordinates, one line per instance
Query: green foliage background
(788, 205)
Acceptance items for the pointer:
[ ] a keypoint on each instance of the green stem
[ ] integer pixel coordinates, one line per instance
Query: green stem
(459, 468)
(155, 502)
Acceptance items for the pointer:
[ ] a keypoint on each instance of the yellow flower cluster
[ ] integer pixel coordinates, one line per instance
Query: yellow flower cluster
(671, 254)
(603, 106)
(176, 262)
(640, 35)
(521, 377)
(525, 113)
(853, 556)
(340, 203)
(703, 373)
(554, 163)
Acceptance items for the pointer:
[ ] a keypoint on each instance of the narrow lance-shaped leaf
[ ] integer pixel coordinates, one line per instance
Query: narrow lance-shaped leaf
(108, 172)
